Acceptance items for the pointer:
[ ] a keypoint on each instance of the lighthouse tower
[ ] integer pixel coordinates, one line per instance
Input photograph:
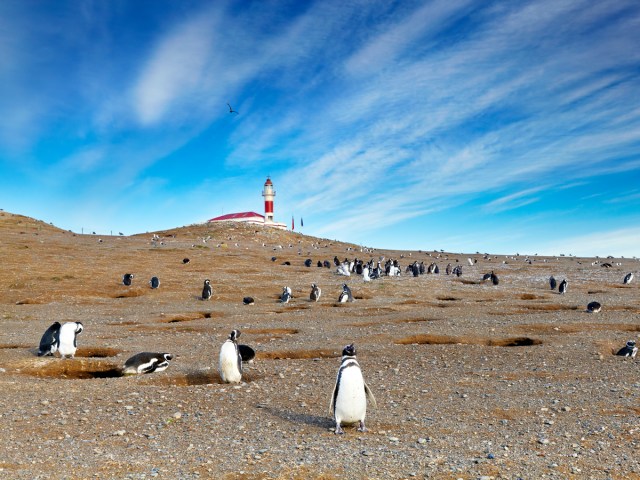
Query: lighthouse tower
(268, 193)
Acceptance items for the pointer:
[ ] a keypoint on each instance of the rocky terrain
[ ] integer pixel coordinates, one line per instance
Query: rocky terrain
(472, 380)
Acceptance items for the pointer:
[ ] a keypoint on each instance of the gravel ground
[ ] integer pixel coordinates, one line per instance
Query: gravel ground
(472, 380)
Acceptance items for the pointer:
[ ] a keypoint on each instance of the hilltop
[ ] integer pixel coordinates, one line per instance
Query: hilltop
(471, 379)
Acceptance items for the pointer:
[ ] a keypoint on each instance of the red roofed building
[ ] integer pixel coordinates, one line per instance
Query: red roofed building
(255, 218)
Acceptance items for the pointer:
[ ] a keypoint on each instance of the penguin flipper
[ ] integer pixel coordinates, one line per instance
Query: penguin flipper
(334, 395)
(370, 397)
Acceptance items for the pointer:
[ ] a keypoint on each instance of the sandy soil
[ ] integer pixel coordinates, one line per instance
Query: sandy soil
(472, 380)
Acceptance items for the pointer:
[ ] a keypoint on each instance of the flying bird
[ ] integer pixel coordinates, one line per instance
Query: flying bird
(231, 110)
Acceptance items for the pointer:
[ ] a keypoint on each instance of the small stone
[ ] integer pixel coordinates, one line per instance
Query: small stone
(366, 453)
(394, 439)
(543, 441)
(566, 409)
(119, 433)
(491, 456)
(422, 441)
(177, 415)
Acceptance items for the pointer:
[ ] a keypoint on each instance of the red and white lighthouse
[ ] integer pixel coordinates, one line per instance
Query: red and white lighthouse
(268, 193)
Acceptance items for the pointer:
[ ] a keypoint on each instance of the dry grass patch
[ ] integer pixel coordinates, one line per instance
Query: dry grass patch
(530, 296)
(297, 354)
(271, 331)
(462, 340)
(73, 369)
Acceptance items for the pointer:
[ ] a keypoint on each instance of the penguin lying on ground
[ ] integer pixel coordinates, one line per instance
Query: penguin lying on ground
(49, 340)
(146, 362)
(594, 307)
(350, 394)
(629, 350)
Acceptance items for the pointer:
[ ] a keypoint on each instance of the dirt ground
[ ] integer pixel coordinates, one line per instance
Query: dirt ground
(472, 380)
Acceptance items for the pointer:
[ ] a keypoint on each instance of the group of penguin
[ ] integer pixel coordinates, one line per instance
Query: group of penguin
(348, 401)
(316, 293)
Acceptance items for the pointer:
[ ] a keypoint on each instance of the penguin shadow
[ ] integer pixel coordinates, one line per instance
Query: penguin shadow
(298, 418)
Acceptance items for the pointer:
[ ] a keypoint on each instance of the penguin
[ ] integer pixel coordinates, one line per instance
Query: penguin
(315, 293)
(207, 291)
(326, 264)
(486, 276)
(230, 361)
(347, 290)
(68, 338)
(415, 269)
(629, 350)
(248, 300)
(494, 279)
(307, 262)
(127, 278)
(286, 295)
(552, 283)
(350, 394)
(448, 269)
(154, 282)
(319, 264)
(627, 278)
(185, 261)
(365, 274)
(146, 362)
(246, 353)
(49, 340)
(594, 307)
(562, 289)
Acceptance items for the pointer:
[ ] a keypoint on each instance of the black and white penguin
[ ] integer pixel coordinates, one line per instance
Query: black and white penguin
(326, 264)
(207, 291)
(594, 307)
(307, 262)
(415, 269)
(562, 289)
(448, 269)
(494, 279)
(350, 394)
(246, 353)
(319, 264)
(627, 278)
(68, 338)
(230, 361)
(315, 293)
(185, 260)
(629, 350)
(49, 340)
(486, 277)
(552, 283)
(127, 278)
(154, 282)
(248, 300)
(286, 295)
(146, 362)
(346, 290)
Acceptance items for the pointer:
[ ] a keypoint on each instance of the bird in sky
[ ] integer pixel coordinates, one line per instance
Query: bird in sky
(231, 110)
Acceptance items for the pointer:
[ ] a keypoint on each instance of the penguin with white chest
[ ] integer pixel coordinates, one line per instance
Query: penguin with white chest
(68, 338)
(350, 394)
(49, 340)
(230, 361)
(315, 294)
(207, 291)
(146, 362)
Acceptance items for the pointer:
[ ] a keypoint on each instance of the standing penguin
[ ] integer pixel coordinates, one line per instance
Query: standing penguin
(154, 282)
(347, 290)
(127, 279)
(68, 338)
(448, 269)
(494, 279)
(207, 291)
(49, 340)
(562, 289)
(629, 350)
(552, 283)
(350, 394)
(146, 362)
(315, 293)
(230, 361)
(627, 278)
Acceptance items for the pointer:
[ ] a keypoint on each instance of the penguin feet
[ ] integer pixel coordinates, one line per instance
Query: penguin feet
(339, 430)
(362, 428)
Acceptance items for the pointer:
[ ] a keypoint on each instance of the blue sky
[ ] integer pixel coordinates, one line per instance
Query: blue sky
(463, 125)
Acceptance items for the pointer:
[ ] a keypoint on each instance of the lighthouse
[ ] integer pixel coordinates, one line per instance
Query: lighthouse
(268, 193)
